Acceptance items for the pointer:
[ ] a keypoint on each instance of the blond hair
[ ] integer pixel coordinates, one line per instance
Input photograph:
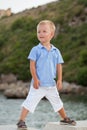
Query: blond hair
(51, 24)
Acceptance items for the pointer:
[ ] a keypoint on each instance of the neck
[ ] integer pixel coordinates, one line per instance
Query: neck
(47, 45)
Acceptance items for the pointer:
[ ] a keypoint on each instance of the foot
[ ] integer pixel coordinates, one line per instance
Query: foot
(67, 121)
(21, 125)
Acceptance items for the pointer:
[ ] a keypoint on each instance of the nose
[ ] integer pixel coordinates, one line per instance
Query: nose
(41, 34)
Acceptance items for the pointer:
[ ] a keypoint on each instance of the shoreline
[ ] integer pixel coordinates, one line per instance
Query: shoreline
(20, 89)
(13, 88)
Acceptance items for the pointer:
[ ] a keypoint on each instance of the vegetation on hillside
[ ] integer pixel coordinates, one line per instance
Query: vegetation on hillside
(18, 36)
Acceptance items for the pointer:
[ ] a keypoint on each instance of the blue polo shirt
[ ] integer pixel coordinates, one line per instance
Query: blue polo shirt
(46, 62)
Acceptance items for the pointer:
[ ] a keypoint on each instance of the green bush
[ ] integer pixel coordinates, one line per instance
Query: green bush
(1, 56)
(23, 23)
(66, 57)
(78, 10)
(83, 57)
(82, 76)
(19, 23)
(84, 2)
(25, 73)
(2, 40)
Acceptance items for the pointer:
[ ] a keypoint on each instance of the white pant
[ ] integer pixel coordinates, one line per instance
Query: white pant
(35, 95)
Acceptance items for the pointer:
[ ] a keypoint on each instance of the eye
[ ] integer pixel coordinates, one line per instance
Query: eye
(44, 31)
(38, 32)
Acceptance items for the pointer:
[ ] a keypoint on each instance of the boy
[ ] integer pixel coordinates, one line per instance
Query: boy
(45, 62)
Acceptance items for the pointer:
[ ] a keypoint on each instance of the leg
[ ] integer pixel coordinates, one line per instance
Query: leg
(62, 113)
(21, 123)
(54, 98)
(66, 120)
(24, 113)
(29, 105)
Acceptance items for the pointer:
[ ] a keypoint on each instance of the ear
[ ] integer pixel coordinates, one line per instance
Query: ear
(52, 34)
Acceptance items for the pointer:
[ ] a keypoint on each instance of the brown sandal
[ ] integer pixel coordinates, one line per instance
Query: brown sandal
(21, 125)
(67, 121)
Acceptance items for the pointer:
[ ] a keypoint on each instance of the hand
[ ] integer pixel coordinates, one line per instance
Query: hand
(59, 84)
(36, 83)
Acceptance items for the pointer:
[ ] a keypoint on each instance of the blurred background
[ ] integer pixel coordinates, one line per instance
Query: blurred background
(18, 36)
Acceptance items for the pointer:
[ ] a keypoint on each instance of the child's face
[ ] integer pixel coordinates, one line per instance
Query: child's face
(44, 33)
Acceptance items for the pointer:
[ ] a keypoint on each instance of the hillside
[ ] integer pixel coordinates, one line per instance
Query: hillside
(18, 36)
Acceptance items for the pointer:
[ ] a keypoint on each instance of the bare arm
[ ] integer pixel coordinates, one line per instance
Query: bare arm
(33, 73)
(59, 73)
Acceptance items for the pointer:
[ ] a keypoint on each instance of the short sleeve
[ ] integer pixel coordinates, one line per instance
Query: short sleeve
(32, 54)
(59, 57)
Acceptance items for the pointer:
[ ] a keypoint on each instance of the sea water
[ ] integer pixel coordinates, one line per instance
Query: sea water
(75, 106)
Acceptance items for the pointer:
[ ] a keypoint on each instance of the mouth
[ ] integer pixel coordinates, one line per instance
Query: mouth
(41, 37)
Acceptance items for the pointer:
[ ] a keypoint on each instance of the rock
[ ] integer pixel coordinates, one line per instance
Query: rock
(80, 125)
(82, 90)
(3, 86)
(66, 88)
(73, 88)
(10, 78)
(85, 10)
(17, 90)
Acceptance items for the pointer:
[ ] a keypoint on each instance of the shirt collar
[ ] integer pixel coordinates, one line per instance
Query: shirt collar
(40, 45)
(52, 48)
